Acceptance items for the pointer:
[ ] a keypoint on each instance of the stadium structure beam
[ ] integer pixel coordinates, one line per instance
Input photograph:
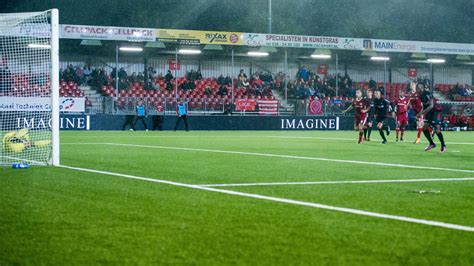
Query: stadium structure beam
(337, 75)
(116, 67)
(176, 74)
(233, 69)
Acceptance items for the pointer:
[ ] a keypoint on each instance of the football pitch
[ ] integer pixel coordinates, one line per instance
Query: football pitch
(241, 197)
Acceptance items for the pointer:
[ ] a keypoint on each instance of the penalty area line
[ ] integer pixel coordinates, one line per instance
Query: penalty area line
(276, 156)
(285, 201)
(341, 182)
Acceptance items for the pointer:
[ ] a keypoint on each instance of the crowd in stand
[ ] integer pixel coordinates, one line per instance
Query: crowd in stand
(461, 90)
(305, 85)
(308, 84)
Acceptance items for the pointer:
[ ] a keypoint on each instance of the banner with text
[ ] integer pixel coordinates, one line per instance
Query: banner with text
(106, 33)
(417, 47)
(199, 37)
(35, 104)
(245, 105)
(298, 41)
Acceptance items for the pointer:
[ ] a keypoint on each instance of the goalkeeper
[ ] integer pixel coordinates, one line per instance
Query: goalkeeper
(19, 141)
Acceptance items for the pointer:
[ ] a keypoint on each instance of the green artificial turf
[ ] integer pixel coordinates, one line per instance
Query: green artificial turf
(51, 215)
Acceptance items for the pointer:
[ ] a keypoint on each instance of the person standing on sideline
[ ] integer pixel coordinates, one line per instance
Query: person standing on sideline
(128, 122)
(182, 111)
(140, 114)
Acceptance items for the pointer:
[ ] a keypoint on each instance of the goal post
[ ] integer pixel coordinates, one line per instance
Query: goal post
(29, 88)
(55, 86)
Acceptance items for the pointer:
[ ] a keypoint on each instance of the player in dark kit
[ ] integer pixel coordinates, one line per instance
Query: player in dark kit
(432, 119)
(382, 109)
(370, 115)
(401, 108)
(361, 105)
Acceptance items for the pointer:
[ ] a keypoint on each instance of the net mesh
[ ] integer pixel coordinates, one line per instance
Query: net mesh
(25, 91)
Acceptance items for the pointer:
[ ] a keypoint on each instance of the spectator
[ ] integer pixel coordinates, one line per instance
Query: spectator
(372, 84)
(87, 74)
(222, 90)
(242, 79)
(88, 105)
(207, 90)
(133, 78)
(169, 76)
(228, 80)
(184, 86)
(113, 74)
(151, 84)
(79, 75)
(140, 77)
(468, 90)
(192, 85)
(198, 75)
(303, 73)
(191, 76)
(169, 85)
(122, 73)
(221, 80)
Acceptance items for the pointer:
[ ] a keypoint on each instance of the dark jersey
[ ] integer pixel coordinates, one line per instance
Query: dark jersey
(371, 111)
(382, 107)
(426, 98)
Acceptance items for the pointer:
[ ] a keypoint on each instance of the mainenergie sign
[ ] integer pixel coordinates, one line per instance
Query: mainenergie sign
(195, 37)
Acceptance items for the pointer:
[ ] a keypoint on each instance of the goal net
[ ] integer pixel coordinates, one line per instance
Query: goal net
(29, 80)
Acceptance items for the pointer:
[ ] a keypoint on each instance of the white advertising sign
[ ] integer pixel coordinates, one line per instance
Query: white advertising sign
(107, 33)
(35, 104)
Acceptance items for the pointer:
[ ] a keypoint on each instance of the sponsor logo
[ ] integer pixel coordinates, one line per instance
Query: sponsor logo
(66, 104)
(349, 44)
(367, 44)
(310, 123)
(216, 37)
(386, 45)
(234, 38)
(252, 40)
(42, 123)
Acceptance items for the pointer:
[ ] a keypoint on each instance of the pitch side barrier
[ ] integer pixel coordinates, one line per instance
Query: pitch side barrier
(208, 122)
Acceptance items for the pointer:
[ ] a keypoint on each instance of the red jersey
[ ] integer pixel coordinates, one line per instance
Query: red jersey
(416, 103)
(402, 105)
(360, 105)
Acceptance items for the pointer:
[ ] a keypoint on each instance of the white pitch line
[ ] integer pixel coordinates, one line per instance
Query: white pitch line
(341, 182)
(280, 156)
(251, 137)
(288, 201)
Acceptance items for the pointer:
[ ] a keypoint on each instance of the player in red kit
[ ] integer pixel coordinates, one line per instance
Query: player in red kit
(417, 106)
(401, 108)
(361, 106)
